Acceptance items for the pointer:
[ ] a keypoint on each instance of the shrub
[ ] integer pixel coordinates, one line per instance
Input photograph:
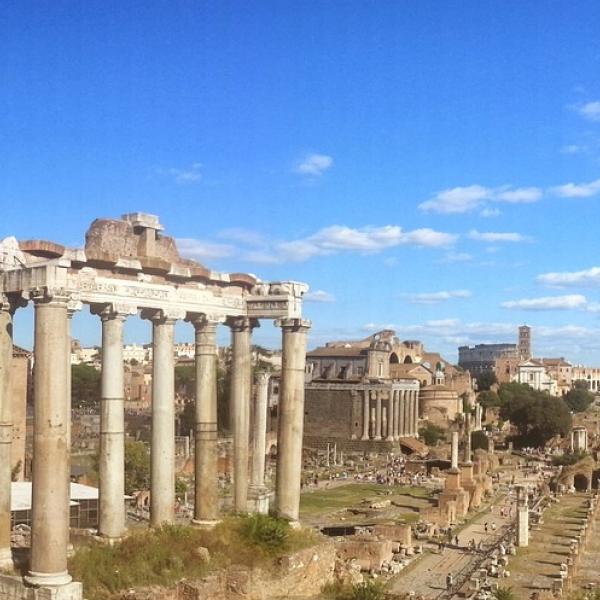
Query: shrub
(269, 533)
(432, 434)
(505, 593)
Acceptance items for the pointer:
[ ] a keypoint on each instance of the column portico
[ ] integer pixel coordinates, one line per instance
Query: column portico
(257, 489)
(6, 430)
(162, 452)
(206, 496)
(241, 374)
(111, 517)
(291, 418)
(406, 413)
(51, 473)
(366, 415)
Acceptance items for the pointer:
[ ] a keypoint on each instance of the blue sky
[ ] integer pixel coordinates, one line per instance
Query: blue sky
(431, 166)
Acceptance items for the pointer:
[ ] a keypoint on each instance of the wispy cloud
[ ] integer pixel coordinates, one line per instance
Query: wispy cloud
(314, 164)
(489, 212)
(573, 149)
(589, 110)
(494, 237)
(455, 257)
(465, 199)
(578, 190)
(586, 277)
(437, 297)
(184, 175)
(319, 296)
(202, 250)
(568, 302)
(335, 239)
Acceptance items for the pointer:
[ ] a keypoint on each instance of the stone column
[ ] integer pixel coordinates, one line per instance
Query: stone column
(206, 476)
(416, 418)
(522, 517)
(454, 452)
(467, 449)
(378, 416)
(241, 373)
(411, 413)
(111, 514)
(162, 452)
(390, 416)
(257, 490)
(366, 415)
(406, 413)
(396, 414)
(51, 472)
(6, 430)
(291, 418)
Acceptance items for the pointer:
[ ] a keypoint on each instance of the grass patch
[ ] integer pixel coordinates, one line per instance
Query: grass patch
(161, 557)
(369, 590)
(351, 495)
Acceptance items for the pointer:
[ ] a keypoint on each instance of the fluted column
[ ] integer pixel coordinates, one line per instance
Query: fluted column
(6, 429)
(51, 473)
(390, 416)
(291, 418)
(396, 414)
(111, 514)
(405, 412)
(366, 415)
(411, 413)
(241, 373)
(259, 438)
(417, 413)
(162, 451)
(378, 416)
(206, 496)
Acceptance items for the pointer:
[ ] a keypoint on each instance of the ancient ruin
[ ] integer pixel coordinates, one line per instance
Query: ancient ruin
(128, 267)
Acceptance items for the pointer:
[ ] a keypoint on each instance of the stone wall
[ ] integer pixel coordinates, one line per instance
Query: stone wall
(12, 588)
(19, 382)
(332, 414)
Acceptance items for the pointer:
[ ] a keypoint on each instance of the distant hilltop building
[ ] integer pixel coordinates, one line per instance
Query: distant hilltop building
(524, 342)
(482, 357)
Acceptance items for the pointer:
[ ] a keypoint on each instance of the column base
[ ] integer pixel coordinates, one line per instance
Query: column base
(259, 499)
(365, 438)
(47, 579)
(205, 523)
(389, 438)
(377, 438)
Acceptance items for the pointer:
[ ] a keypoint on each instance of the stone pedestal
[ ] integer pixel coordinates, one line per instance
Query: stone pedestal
(522, 517)
(13, 588)
(259, 499)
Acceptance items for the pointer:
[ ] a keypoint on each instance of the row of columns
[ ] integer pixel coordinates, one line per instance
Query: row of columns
(390, 414)
(52, 413)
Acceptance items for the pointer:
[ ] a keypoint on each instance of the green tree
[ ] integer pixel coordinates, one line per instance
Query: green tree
(581, 384)
(85, 386)
(486, 380)
(479, 440)
(137, 467)
(488, 399)
(431, 434)
(578, 400)
(536, 415)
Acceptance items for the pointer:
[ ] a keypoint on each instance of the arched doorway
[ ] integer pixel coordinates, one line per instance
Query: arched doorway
(580, 481)
(394, 359)
(595, 479)
(408, 360)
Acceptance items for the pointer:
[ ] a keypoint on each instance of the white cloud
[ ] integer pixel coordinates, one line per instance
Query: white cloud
(589, 110)
(314, 164)
(490, 212)
(319, 296)
(454, 257)
(437, 297)
(495, 237)
(572, 149)
(586, 277)
(429, 238)
(185, 175)
(577, 190)
(456, 200)
(201, 250)
(524, 195)
(243, 236)
(568, 302)
(469, 198)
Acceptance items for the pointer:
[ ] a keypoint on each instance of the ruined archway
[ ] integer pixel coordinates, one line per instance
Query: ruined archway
(394, 360)
(408, 360)
(581, 482)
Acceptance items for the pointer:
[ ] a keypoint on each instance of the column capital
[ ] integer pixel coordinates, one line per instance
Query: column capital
(262, 377)
(202, 321)
(113, 310)
(241, 323)
(10, 302)
(291, 324)
(163, 315)
(51, 295)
